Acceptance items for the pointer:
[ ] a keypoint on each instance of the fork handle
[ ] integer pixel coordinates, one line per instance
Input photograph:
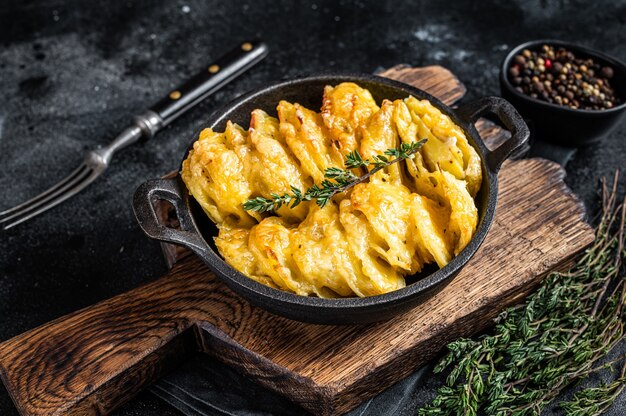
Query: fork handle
(196, 89)
(213, 77)
(186, 96)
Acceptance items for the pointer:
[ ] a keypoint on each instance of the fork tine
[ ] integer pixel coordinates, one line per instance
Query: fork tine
(75, 185)
(8, 212)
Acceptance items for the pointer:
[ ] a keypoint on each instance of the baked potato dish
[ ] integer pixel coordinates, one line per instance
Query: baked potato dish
(365, 240)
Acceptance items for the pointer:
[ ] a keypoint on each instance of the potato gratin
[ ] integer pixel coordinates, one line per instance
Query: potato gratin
(417, 211)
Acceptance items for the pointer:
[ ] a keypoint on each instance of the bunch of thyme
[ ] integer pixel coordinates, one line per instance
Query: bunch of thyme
(559, 335)
(336, 180)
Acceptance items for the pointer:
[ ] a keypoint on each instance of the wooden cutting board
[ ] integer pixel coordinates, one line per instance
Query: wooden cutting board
(92, 361)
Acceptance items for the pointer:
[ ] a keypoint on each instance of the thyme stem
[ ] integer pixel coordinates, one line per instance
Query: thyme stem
(336, 180)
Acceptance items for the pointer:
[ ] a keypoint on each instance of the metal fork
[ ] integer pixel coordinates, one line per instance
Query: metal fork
(144, 126)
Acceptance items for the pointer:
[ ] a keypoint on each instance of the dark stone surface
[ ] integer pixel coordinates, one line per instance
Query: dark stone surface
(72, 73)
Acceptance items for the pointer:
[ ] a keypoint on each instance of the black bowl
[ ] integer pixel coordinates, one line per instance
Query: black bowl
(564, 125)
(197, 231)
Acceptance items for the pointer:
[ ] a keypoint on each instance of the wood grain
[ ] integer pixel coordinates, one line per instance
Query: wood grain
(435, 80)
(91, 361)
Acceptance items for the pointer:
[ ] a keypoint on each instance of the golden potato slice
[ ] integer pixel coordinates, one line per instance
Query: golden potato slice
(346, 108)
(376, 275)
(438, 152)
(408, 132)
(473, 167)
(308, 139)
(232, 244)
(416, 167)
(447, 131)
(463, 215)
(272, 168)
(236, 137)
(214, 175)
(387, 210)
(322, 254)
(269, 243)
(428, 220)
(379, 135)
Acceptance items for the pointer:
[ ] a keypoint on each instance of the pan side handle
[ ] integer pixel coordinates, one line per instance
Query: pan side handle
(171, 190)
(511, 119)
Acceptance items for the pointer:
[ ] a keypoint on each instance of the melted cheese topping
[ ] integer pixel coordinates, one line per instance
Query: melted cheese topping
(366, 240)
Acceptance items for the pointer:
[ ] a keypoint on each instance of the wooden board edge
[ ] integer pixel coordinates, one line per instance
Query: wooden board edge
(122, 387)
(137, 377)
(302, 390)
(560, 174)
(11, 392)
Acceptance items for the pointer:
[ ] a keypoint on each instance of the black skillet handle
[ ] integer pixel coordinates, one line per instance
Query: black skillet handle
(169, 190)
(212, 78)
(511, 119)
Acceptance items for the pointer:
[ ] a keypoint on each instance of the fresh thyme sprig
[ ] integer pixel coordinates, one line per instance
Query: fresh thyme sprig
(594, 401)
(556, 337)
(336, 180)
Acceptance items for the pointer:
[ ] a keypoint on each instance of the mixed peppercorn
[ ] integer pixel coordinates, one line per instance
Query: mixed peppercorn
(559, 77)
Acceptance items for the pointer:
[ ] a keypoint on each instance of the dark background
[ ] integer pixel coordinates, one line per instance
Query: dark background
(72, 73)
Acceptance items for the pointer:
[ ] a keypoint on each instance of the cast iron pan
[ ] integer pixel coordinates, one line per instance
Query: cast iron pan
(197, 231)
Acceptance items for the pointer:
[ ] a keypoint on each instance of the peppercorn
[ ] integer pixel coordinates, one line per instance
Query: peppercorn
(607, 72)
